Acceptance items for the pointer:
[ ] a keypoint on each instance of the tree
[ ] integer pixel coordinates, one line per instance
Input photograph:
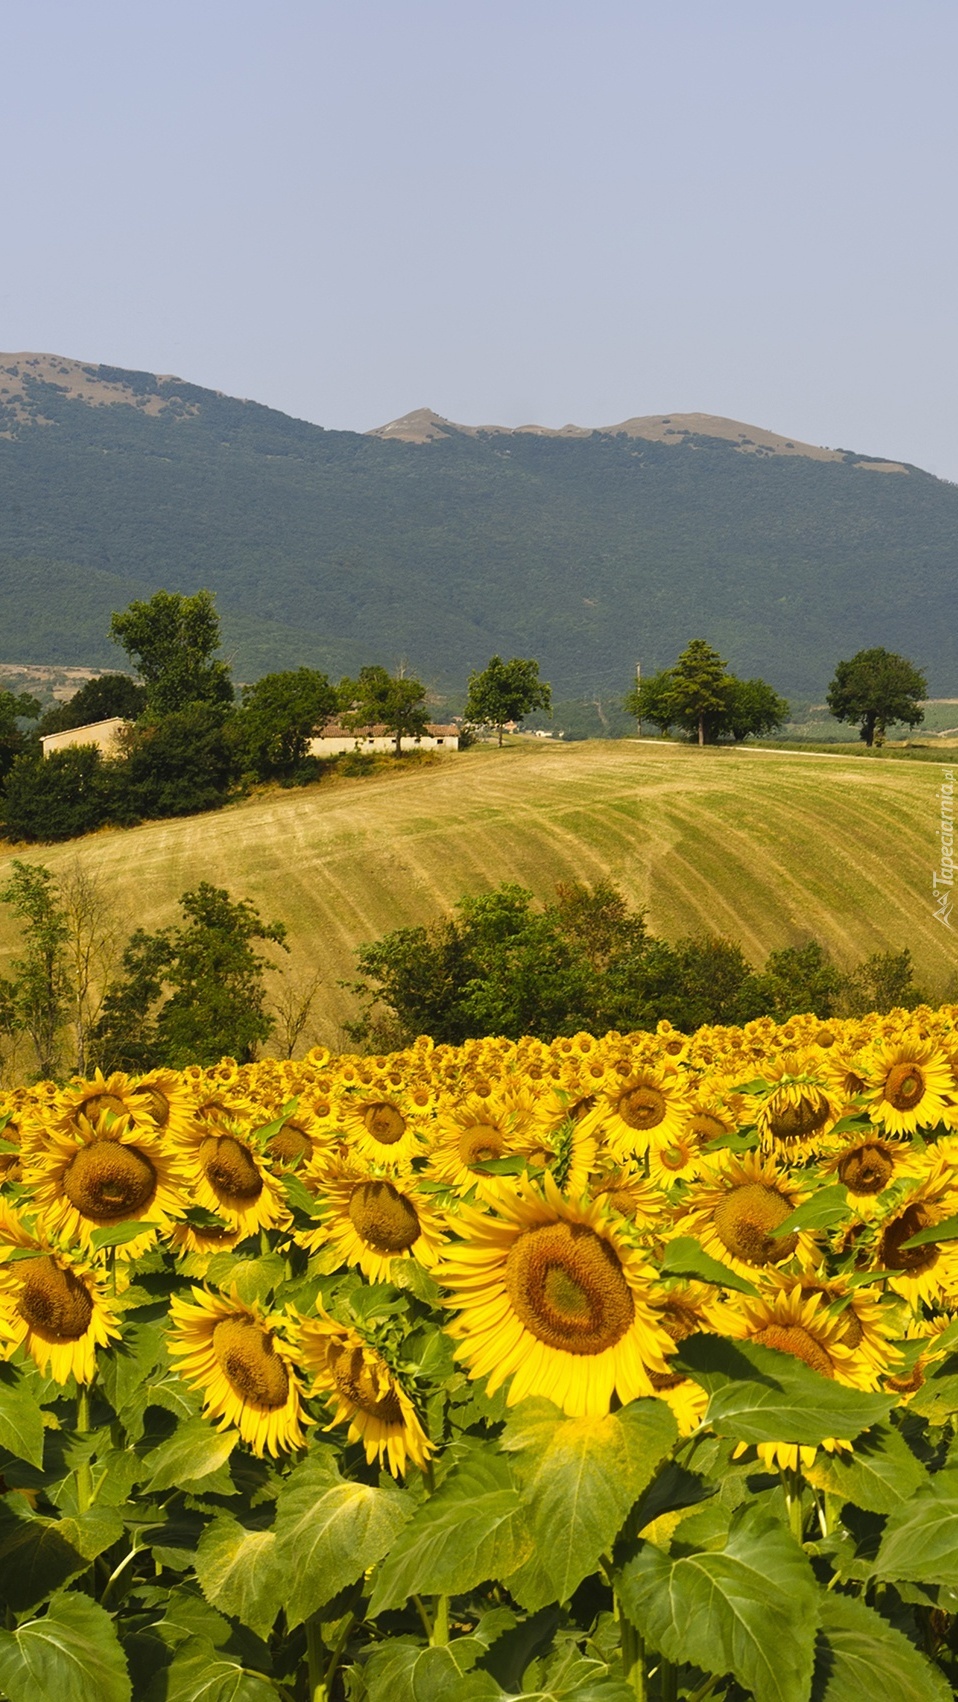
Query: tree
(754, 708)
(701, 697)
(800, 979)
(378, 698)
(279, 716)
(171, 639)
(882, 983)
(505, 691)
(178, 765)
(35, 1001)
(61, 796)
(100, 699)
(13, 740)
(194, 993)
(875, 688)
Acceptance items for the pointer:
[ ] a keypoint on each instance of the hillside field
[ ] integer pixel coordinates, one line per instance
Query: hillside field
(765, 847)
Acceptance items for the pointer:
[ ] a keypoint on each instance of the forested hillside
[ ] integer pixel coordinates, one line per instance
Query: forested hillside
(329, 548)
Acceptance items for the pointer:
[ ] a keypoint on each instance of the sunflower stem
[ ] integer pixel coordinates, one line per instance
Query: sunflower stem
(337, 1652)
(794, 1482)
(315, 1661)
(633, 1656)
(440, 1622)
(668, 1681)
(423, 1613)
(85, 1470)
(111, 1267)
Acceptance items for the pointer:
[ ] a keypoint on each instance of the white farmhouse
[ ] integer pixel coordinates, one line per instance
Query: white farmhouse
(104, 734)
(334, 741)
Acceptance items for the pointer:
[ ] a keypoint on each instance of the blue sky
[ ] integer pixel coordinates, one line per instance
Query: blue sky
(508, 211)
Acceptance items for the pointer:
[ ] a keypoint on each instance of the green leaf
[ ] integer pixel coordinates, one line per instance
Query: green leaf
(192, 1454)
(580, 1477)
(130, 1362)
(36, 1556)
(826, 1207)
(946, 1230)
(860, 1655)
(749, 1609)
(920, 1543)
(118, 1234)
(299, 1196)
(937, 1399)
(474, 1527)
(400, 1671)
(761, 1395)
(685, 1257)
(199, 1672)
(329, 1531)
(70, 1655)
(881, 1474)
(239, 1573)
(253, 1279)
(21, 1419)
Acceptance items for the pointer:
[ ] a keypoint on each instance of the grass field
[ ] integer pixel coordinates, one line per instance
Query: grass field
(766, 848)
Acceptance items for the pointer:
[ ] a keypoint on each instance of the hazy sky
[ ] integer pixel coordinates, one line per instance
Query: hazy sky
(507, 210)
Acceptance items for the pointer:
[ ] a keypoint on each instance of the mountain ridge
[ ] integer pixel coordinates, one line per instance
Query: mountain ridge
(589, 550)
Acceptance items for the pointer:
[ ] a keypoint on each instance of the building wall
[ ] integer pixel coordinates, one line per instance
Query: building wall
(103, 734)
(337, 744)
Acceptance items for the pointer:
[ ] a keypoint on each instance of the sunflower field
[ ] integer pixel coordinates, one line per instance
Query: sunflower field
(611, 1368)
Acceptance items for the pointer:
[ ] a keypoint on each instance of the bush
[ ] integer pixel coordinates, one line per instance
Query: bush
(60, 796)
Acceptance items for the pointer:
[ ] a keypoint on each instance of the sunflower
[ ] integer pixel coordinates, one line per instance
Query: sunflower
(909, 1085)
(796, 1114)
(372, 1220)
(57, 1308)
(867, 1166)
(795, 1320)
(866, 1320)
(166, 1098)
(907, 1382)
(382, 1126)
(735, 1208)
(228, 1176)
(626, 1189)
(106, 1169)
(550, 1294)
(928, 1273)
(652, 1099)
(243, 1363)
(364, 1393)
(81, 1104)
(478, 1127)
(677, 1160)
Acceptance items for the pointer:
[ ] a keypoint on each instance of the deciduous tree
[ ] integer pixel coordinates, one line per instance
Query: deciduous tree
(506, 691)
(875, 688)
(279, 716)
(172, 640)
(378, 698)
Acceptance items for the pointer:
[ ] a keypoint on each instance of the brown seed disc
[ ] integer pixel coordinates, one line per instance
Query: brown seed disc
(904, 1087)
(289, 1144)
(156, 1103)
(383, 1217)
(744, 1219)
(108, 1182)
(229, 1168)
(385, 1123)
(54, 1302)
(355, 1382)
(793, 1339)
(704, 1128)
(642, 1107)
(98, 1102)
(852, 1334)
(480, 1143)
(789, 1121)
(250, 1363)
(865, 1169)
(567, 1287)
(894, 1256)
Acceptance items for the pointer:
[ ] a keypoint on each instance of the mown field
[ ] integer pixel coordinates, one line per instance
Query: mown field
(764, 847)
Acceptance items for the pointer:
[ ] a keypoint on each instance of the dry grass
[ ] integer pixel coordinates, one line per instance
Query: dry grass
(767, 849)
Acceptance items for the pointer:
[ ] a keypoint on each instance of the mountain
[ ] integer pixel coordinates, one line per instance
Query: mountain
(439, 543)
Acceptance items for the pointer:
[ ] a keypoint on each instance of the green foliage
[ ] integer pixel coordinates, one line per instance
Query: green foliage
(701, 697)
(875, 688)
(171, 640)
(14, 709)
(505, 691)
(178, 764)
(882, 982)
(377, 698)
(192, 993)
(102, 698)
(64, 795)
(279, 716)
(35, 1001)
(801, 978)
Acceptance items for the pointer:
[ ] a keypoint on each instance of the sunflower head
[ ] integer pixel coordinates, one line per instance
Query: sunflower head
(364, 1393)
(57, 1308)
(242, 1361)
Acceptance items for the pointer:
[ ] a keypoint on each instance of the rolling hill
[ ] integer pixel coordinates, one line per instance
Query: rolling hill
(440, 543)
(764, 847)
